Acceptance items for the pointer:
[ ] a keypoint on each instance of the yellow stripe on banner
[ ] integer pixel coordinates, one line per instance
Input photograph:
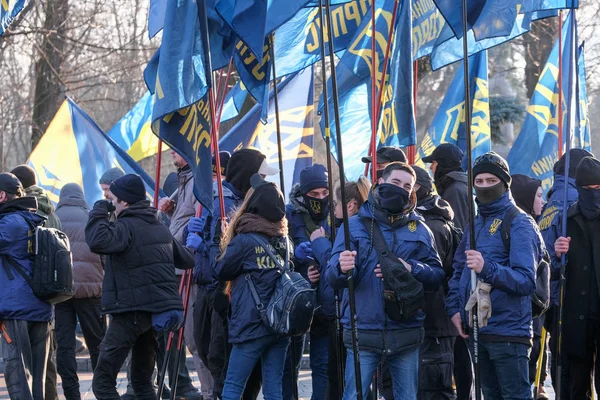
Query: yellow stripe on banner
(57, 153)
(5, 5)
(145, 145)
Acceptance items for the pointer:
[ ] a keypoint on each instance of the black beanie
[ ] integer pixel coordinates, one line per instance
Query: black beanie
(242, 165)
(129, 188)
(423, 177)
(576, 156)
(267, 200)
(25, 174)
(588, 172)
(224, 157)
(494, 164)
(524, 189)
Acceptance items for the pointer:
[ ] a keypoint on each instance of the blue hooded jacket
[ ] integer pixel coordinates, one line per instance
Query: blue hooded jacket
(412, 242)
(550, 225)
(243, 259)
(512, 276)
(295, 212)
(17, 300)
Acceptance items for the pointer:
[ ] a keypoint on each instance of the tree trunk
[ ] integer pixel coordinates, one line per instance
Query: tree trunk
(538, 44)
(48, 86)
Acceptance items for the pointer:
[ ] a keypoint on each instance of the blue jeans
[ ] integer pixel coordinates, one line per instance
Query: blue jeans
(404, 368)
(319, 358)
(504, 369)
(270, 350)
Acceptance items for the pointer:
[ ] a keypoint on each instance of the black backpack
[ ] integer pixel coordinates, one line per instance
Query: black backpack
(540, 300)
(52, 275)
(292, 306)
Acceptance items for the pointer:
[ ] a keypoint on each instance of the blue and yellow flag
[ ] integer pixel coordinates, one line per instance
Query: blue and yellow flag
(583, 136)
(296, 113)
(234, 101)
(535, 150)
(8, 11)
(538, 5)
(254, 73)
(133, 132)
(181, 114)
(396, 121)
(75, 150)
(448, 125)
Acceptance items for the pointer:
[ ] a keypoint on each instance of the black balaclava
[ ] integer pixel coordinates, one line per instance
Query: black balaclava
(588, 173)
(242, 165)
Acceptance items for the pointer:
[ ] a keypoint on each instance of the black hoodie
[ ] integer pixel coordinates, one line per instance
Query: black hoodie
(524, 189)
(438, 217)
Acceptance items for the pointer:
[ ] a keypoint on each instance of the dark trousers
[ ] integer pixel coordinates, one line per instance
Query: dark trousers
(551, 324)
(335, 388)
(582, 368)
(93, 326)
(127, 331)
(463, 369)
(26, 357)
(51, 377)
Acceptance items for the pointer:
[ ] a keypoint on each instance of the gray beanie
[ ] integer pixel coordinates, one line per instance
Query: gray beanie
(110, 176)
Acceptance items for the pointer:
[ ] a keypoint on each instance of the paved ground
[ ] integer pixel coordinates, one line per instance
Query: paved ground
(85, 378)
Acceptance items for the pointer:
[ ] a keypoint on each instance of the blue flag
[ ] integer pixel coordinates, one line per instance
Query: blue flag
(254, 20)
(254, 73)
(582, 130)
(296, 111)
(448, 125)
(396, 121)
(535, 150)
(234, 101)
(8, 11)
(539, 5)
(75, 150)
(181, 114)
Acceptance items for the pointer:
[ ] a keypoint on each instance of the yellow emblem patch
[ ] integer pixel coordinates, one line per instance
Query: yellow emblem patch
(412, 226)
(495, 225)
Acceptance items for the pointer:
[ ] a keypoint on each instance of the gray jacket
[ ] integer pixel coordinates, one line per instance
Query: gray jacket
(88, 269)
(185, 204)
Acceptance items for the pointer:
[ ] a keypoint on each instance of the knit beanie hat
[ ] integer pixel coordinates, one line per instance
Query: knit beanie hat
(588, 172)
(110, 176)
(423, 177)
(313, 177)
(242, 165)
(524, 189)
(494, 164)
(129, 188)
(267, 200)
(9, 183)
(576, 156)
(25, 174)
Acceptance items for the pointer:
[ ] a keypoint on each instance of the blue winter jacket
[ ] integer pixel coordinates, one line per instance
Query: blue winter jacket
(243, 258)
(17, 300)
(412, 242)
(549, 224)
(512, 276)
(203, 274)
(295, 212)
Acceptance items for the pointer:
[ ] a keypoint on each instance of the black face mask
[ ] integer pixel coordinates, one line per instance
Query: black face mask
(422, 193)
(317, 208)
(589, 202)
(391, 198)
(490, 194)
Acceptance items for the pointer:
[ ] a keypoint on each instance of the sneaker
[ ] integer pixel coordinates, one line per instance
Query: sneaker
(542, 395)
(191, 394)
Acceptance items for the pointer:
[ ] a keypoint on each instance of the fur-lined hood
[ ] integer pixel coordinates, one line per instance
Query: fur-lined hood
(296, 200)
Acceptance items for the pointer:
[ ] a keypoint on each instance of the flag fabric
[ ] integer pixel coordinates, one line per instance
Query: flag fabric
(539, 5)
(181, 114)
(296, 113)
(8, 11)
(535, 150)
(448, 125)
(133, 132)
(396, 120)
(582, 130)
(255, 73)
(156, 17)
(234, 101)
(75, 150)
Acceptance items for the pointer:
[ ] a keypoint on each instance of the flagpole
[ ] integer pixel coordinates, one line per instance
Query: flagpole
(277, 121)
(374, 95)
(338, 128)
(338, 330)
(157, 176)
(411, 150)
(559, 84)
(222, 100)
(473, 244)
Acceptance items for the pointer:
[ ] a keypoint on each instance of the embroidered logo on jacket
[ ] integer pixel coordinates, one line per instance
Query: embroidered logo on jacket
(494, 227)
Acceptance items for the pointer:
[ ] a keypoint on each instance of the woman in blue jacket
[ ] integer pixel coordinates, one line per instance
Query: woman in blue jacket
(242, 258)
(508, 278)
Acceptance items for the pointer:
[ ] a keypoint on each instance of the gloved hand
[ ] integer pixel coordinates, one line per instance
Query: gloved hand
(107, 204)
(196, 224)
(193, 241)
(167, 321)
(481, 297)
(303, 251)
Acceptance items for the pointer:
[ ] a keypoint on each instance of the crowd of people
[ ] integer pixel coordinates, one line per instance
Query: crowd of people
(405, 243)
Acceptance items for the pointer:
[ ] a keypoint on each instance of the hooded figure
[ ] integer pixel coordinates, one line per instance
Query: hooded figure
(527, 193)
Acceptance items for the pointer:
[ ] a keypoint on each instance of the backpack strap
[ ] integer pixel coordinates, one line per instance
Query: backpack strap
(17, 268)
(507, 221)
(378, 241)
(265, 245)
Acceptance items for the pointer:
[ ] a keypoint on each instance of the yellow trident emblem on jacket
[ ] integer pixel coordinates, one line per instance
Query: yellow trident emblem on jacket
(495, 225)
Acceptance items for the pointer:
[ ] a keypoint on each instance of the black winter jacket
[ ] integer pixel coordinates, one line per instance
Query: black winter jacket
(438, 216)
(454, 189)
(141, 255)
